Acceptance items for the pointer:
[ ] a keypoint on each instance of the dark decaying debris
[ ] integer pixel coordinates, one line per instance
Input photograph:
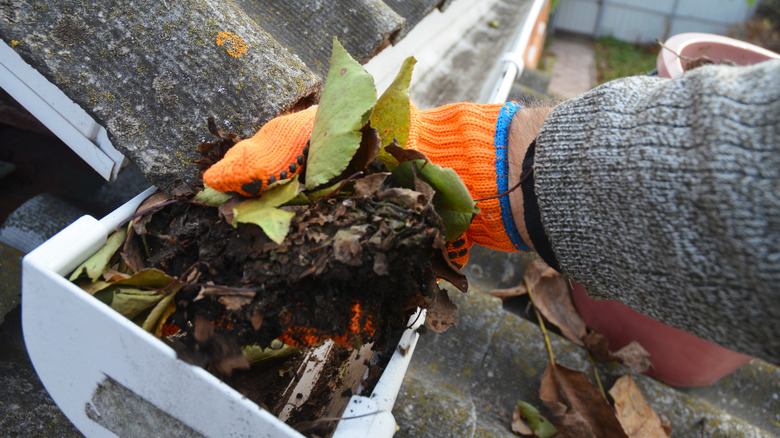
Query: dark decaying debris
(353, 267)
(381, 246)
(374, 247)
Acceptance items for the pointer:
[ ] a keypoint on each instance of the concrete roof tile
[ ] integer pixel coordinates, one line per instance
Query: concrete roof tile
(307, 28)
(152, 72)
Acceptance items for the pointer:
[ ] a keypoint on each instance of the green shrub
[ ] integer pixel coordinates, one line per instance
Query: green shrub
(615, 58)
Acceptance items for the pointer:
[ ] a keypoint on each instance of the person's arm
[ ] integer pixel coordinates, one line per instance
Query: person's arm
(665, 195)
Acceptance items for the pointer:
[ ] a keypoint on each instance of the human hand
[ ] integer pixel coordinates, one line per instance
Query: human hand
(469, 138)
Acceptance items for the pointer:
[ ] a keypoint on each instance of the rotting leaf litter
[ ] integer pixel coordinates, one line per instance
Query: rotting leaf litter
(347, 255)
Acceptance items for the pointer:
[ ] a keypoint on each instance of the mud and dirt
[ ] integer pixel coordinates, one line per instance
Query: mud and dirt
(352, 268)
(371, 248)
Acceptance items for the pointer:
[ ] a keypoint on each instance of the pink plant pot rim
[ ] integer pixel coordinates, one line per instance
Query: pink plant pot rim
(678, 357)
(716, 47)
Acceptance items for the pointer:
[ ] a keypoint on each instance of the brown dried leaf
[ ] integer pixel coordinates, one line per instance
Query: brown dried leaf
(577, 404)
(534, 271)
(139, 223)
(226, 209)
(552, 298)
(402, 154)
(424, 188)
(638, 419)
(206, 291)
(442, 267)
(214, 291)
(131, 252)
(182, 190)
(234, 303)
(203, 329)
(666, 425)
(368, 185)
(111, 275)
(441, 311)
(367, 151)
(380, 264)
(632, 355)
(346, 245)
(516, 291)
(411, 199)
(236, 361)
(519, 426)
(635, 357)
(598, 346)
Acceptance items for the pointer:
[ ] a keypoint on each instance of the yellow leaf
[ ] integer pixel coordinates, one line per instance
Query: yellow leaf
(262, 211)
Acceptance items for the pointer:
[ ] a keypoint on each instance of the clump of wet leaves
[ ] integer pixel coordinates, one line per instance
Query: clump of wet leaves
(348, 254)
(372, 247)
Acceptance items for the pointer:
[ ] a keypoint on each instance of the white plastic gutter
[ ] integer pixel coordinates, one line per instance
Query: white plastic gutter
(59, 113)
(514, 59)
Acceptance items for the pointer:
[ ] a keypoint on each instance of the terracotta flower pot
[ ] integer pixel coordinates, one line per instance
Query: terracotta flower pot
(693, 45)
(679, 358)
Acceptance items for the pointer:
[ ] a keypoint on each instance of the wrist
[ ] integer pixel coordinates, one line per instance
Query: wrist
(523, 130)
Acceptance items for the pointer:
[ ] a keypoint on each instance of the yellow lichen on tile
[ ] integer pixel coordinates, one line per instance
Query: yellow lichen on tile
(236, 46)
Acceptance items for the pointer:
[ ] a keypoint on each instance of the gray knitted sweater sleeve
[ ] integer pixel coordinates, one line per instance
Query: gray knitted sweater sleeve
(665, 195)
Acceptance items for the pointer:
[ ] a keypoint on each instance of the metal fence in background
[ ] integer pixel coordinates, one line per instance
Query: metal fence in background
(642, 21)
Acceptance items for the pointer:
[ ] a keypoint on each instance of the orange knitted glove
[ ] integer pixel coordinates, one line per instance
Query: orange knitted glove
(472, 139)
(277, 151)
(469, 138)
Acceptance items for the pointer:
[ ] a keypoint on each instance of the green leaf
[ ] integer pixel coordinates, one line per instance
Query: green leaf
(277, 350)
(326, 191)
(164, 308)
(541, 427)
(391, 115)
(452, 200)
(146, 279)
(91, 287)
(300, 199)
(130, 301)
(212, 197)
(147, 290)
(345, 106)
(149, 278)
(97, 264)
(262, 211)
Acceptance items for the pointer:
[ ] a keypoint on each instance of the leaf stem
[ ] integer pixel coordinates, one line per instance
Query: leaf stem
(596, 375)
(683, 57)
(343, 183)
(519, 183)
(541, 322)
(237, 290)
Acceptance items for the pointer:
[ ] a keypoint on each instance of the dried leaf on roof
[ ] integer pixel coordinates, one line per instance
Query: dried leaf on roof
(578, 406)
(636, 416)
(632, 355)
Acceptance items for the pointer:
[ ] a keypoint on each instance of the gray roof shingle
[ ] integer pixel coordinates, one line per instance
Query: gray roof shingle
(307, 28)
(152, 72)
(414, 11)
